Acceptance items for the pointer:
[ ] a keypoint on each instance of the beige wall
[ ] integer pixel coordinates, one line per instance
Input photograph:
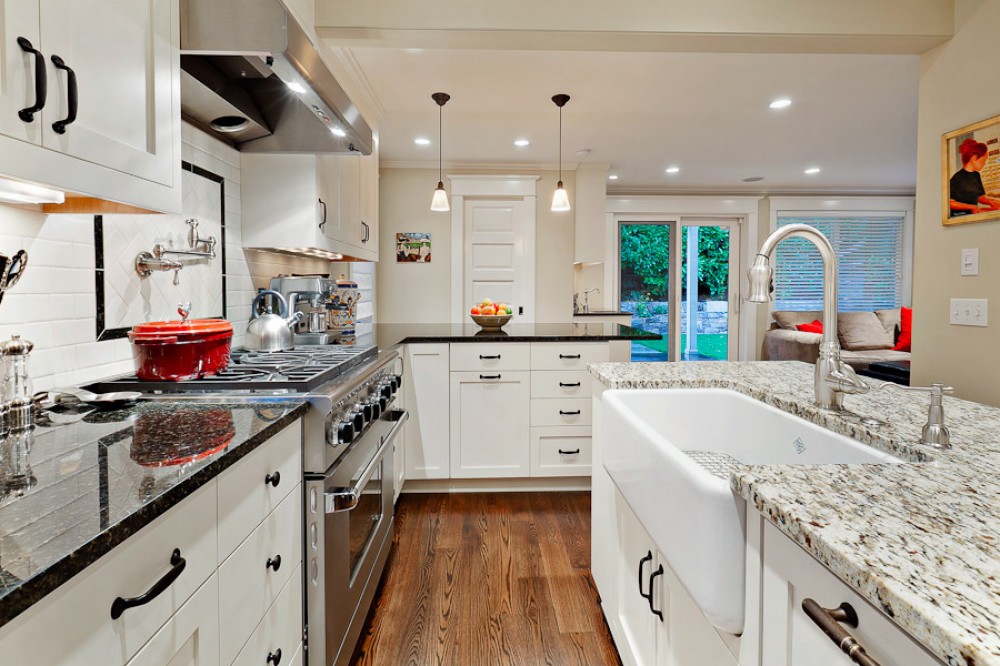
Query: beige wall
(421, 293)
(957, 87)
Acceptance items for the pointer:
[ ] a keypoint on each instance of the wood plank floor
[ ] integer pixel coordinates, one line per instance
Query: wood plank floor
(488, 579)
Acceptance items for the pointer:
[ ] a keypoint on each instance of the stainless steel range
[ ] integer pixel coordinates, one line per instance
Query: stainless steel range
(348, 471)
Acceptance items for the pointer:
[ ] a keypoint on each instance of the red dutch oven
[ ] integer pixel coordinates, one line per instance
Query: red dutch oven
(179, 350)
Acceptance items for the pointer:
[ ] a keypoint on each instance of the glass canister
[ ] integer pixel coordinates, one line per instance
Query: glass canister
(17, 382)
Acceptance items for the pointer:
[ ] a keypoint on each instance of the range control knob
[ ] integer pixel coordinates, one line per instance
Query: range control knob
(385, 392)
(366, 409)
(357, 419)
(394, 382)
(382, 403)
(376, 407)
(345, 432)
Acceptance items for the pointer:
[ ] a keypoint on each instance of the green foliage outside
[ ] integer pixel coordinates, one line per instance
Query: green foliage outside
(713, 345)
(645, 253)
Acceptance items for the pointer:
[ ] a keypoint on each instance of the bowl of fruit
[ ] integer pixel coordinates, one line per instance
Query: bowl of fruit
(491, 316)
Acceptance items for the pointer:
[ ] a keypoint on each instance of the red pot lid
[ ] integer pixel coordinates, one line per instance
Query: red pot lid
(191, 327)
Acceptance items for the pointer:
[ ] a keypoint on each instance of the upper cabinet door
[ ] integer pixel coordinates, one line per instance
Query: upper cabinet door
(123, 56)
(19, 19)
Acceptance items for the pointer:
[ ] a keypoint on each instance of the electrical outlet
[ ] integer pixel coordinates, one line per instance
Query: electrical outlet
(969, 312)
(970, 261)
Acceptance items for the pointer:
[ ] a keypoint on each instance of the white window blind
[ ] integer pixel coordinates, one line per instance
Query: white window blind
(870, 256)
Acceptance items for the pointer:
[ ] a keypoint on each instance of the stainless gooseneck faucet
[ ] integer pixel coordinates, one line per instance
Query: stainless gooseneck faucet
(834, 378)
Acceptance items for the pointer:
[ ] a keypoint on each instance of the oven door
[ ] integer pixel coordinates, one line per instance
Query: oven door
(348, 537)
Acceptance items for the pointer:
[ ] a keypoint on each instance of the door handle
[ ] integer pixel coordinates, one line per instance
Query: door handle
(573, 413)
(652, 577)
(569, 356)
(489, 376)
(122, 604)
(647, 558)
(568, 385)
(322, 223)
(27, 114)
(489, 357)
(830, 619)
(569, 453)
(72, 96)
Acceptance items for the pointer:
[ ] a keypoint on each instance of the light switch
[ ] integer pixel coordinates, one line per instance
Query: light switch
(969, 312)
(970, 261)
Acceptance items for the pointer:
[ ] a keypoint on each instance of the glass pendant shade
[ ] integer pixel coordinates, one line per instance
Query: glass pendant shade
(560, 200)
(440, 201)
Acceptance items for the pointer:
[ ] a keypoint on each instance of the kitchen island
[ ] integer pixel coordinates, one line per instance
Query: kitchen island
(77, 490)
(919, 540)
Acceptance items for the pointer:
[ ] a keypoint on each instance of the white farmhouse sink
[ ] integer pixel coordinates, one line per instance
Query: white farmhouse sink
(694, 518)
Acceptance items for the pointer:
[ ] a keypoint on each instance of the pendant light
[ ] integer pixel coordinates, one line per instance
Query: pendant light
(560, 200)
(440, 201)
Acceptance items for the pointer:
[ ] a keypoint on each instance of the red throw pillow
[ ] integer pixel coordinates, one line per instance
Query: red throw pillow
(815, 327)
(905, 330)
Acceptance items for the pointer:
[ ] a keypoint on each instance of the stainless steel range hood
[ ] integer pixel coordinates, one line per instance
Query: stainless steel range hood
(251, 77)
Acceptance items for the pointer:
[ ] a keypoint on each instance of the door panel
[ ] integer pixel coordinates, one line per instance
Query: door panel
(125, 71)
(18, 18)
(489, 424)
(495, 264)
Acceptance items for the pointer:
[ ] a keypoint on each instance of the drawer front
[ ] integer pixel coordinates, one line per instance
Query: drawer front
(73, 625)
(560, 451)
(561, 411)
(567, 355)
(248, 584)
(490, 356)
(280, 628)
(191, 637)
(560, 384)
(249, 490)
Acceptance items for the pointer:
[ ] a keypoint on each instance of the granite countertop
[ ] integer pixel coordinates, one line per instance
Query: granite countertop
(602, 313)
(919, 540)
(71, 492)
(387, 336)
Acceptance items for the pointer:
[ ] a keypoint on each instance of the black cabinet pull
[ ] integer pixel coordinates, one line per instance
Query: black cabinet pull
(573, 413)
(569, 356)
(489, 357)
(647, 558)
(274, 657)
(273, 479)
(658, 572)
(27, 114)
(568, 385)
(569, 453)
(72, 96)
(177, 564)
(365, 232)
(489, 376)
(322, 223)
(830, 619)
(274, 562)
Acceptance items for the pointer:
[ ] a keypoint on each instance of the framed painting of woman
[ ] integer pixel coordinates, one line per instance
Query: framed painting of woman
(970, 162)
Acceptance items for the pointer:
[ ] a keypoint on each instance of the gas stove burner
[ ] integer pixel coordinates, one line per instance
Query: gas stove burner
(240, 374)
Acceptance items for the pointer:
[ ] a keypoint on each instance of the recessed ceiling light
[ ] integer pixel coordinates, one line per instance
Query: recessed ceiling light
(297, 87)
(422, 141)
(812, 171)
(753, 179)
(521, 143)
(612, 176)
(781, 103)
(673, 169)
(338, 132)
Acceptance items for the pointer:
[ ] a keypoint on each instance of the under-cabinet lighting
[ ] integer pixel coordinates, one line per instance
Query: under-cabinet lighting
(782, 103)
(295, 86)
(338, 132)
(14, 191)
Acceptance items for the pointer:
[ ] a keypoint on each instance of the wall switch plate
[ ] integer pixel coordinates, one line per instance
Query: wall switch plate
(970, 261)
(969, 312)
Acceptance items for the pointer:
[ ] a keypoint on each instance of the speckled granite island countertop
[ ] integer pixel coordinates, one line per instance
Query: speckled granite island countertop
(921, 540)
(71, 492)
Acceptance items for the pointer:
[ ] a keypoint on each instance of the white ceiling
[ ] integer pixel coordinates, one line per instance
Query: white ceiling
(854, 116)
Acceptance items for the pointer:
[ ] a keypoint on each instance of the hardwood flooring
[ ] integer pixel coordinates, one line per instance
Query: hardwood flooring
(488, 579)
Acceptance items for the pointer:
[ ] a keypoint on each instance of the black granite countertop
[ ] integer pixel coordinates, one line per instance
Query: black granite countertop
(390, 335)
(602, 313)
(71, 492)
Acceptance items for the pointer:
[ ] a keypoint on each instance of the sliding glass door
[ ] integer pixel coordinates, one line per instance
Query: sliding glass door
(679, 279)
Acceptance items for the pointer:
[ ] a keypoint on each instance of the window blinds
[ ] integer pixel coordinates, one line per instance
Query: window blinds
(870, 256)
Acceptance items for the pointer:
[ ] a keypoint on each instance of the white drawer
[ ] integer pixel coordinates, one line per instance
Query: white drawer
(248, 584)
(490, 356)
(191, 636)
(73, 625)
(560, 451)
(249, 490)
(280, 629)
(567, 355)
(560, 384)
(561, 411)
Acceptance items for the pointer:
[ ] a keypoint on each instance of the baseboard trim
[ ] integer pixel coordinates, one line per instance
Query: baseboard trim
(554, 484)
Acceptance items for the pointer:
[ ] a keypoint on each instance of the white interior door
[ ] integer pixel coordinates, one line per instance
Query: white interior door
(496, 255)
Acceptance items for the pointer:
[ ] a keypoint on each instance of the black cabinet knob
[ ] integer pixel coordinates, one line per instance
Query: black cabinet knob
(274, 562)
(273, 479)
(274, 657)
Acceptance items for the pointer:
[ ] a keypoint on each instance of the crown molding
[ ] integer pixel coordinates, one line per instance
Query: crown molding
(485, 166)
(351, 75)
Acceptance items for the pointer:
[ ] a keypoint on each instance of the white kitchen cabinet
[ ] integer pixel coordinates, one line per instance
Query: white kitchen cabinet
(120, 140)
(490, 424)
(356, 186)
(191, 636)
(426, 384)
(560, 451)
(791, 638)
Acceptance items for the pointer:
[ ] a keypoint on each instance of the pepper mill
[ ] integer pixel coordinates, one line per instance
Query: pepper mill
(17, 382)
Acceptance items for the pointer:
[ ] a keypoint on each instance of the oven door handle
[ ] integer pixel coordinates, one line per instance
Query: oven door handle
(346, 499)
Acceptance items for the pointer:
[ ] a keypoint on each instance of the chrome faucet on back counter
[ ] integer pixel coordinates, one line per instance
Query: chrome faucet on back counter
(833, 377)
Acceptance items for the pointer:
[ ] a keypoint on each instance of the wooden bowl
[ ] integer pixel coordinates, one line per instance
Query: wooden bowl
(491, 322)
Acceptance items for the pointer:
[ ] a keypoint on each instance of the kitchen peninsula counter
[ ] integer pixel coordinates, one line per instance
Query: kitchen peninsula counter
(71, 492)
(919, 540)
(391, 335)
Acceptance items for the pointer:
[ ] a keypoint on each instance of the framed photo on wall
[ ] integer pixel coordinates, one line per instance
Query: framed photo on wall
(970, 162)
(413, 247)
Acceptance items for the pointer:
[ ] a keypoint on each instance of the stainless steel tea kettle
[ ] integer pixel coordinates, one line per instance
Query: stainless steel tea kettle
(269, 331)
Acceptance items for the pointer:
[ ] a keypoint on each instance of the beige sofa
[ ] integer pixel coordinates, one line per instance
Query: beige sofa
(865, 337)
